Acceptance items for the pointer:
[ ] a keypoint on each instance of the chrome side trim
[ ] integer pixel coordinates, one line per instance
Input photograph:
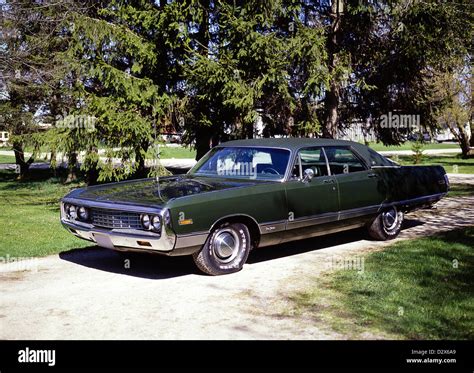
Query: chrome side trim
(331, 216)
(190, 240)
(382, 167)
(272, 227)
(312, 220)
(293, 236)
(415, 201)
(360, 211)
(354, 213)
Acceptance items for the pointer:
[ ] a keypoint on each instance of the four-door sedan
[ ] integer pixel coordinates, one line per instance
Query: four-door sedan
(251, 193)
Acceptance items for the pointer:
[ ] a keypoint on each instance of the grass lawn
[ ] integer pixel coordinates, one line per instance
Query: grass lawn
(167, 152)
(29, 218)
(7, 159)
(408, 145)
(461, 190)
(414, 289)
(451, 163)
(11, 159)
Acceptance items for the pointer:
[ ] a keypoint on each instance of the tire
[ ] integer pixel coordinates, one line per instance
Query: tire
(387, 225)
(226, 250)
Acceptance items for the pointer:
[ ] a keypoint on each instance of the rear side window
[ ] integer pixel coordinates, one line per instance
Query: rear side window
(377, 159)
(343, 160)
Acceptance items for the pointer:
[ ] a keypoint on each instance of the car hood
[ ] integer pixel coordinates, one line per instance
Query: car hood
(150, 192)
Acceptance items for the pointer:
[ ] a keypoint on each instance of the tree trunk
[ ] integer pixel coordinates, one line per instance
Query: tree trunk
(464, 143)
(53, 163)
(55, 114)
(331, 101)
(249, 130)
(204, 134)
(471, 116)
(72, 167)
(462, 138)
(203, 141)
(22, 165)
(92, 169)
(471, 142)
(140, 159)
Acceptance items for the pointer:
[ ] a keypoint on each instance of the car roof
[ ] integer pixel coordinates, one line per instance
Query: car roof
(291, 143)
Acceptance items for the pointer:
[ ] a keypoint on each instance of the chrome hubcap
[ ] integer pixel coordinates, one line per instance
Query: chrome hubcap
(390, 218)
(226, 245)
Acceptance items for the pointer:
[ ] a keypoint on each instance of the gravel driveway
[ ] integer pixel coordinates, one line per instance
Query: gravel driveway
(88, 294)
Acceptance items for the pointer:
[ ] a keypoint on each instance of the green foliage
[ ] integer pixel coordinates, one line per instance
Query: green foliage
(211, 69)
(417, 149)
(110, 53)
(394, 46)
(267, 60)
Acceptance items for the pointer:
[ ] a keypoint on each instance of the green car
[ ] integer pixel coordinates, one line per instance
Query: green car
(251, 193)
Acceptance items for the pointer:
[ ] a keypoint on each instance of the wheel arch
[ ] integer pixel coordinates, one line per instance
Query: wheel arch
(248, 220)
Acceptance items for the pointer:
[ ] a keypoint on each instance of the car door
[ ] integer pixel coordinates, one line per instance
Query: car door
(314, 201)
(360, 189)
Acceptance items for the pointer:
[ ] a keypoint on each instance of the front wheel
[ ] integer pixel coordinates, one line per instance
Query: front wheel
(387, 224)
(225, 251)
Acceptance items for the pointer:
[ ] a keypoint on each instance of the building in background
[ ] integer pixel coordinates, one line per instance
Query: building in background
(4, 137)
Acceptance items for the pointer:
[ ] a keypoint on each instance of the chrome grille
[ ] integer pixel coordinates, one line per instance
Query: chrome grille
(115, 219)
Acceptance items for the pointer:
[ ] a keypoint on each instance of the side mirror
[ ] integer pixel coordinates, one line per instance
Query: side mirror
(308, 175)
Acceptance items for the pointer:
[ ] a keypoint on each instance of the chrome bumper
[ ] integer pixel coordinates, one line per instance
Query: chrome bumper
(131, 240)
(123, 239)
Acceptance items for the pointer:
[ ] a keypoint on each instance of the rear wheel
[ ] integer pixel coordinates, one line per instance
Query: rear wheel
(387, 224)
(225, 251)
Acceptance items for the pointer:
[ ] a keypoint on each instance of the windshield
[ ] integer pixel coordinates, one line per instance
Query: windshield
(244, 163)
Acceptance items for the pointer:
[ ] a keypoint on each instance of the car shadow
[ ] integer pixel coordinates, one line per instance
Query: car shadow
(306, 245)
(318, 243)
(157, 267)
(144, 265)
(411, 223)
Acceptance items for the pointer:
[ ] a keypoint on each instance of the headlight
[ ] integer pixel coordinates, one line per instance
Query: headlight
(156, 223)
(83, 213)
(71, 212)
(145, 221)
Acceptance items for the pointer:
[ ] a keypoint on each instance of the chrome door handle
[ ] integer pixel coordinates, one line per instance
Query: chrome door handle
(372, 175)
(328, 181)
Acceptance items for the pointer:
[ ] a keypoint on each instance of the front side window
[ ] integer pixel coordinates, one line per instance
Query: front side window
(343, 160)
(310, 158)
(243, 162)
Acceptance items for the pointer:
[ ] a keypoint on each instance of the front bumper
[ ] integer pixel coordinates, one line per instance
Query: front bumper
(123, 239)
(166, 242)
